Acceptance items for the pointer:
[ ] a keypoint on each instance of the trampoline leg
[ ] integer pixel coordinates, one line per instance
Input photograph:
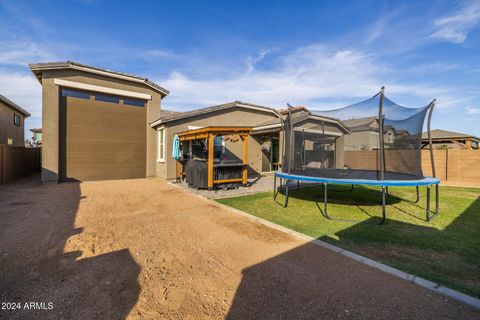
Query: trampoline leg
(298, 184)
(386, 191)
(275, 192)
(286, 194)
(384, 214)
(427, 210)
(418, 195)
(435, 213)
(351, 189)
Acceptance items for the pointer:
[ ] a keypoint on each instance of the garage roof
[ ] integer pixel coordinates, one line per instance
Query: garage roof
(14, 106)
(37, 69)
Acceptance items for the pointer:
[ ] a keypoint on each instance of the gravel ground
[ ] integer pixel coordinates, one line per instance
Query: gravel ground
(143, 249)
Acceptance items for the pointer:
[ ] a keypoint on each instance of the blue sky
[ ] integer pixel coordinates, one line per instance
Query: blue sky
(321, 54)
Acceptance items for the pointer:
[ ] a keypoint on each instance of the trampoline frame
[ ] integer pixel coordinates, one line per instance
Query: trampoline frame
(384, 184)
(428, 182)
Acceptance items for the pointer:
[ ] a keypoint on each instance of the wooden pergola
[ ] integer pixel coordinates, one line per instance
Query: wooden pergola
(210, 133)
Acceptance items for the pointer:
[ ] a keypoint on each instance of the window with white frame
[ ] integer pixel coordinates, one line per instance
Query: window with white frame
(161, 145)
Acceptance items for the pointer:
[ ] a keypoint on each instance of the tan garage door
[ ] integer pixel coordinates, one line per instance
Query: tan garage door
(102, 137)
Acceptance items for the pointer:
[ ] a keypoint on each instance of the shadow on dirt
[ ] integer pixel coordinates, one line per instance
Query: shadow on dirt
(36, 222)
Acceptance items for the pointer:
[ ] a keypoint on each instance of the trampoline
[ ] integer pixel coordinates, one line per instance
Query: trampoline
(382, 148)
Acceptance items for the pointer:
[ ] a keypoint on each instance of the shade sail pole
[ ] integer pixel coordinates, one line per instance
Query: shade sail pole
(380, 135)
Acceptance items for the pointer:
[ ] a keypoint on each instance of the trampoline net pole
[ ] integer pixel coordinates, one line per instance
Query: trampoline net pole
(380, 135)
(432, 106)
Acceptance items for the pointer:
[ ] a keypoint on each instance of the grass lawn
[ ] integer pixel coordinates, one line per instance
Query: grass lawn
(446, 250)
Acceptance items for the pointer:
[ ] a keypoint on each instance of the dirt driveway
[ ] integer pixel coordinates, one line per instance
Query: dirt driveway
(146, 249)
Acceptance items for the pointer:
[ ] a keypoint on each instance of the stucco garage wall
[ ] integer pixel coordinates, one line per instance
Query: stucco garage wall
(50, 116)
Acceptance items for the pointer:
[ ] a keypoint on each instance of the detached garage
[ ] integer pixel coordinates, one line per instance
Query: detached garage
(96, 123)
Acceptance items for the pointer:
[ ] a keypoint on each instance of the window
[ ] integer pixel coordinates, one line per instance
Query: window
(133, 102)
(16, 120)
(161, 145)
(75, 94)
(104, 98)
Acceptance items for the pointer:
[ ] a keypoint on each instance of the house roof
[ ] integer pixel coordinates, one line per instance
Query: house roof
(36, 130)
(360, 124)
(444, 134)
(173, 116)
(37, 69)
(14, 106)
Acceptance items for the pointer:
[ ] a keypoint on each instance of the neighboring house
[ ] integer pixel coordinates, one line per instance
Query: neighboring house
(36, 140)
(96, 122)
(12, 123)
(452, 140)
(364, 134)
(266, 142)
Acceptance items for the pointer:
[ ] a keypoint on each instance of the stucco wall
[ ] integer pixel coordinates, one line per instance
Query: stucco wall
(229, 117)
(7, 129)
(50, 116)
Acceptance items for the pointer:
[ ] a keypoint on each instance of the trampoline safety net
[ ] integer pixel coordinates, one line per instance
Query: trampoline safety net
(381, 141)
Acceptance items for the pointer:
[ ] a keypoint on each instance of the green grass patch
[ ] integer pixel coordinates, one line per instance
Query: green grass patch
(446, 250)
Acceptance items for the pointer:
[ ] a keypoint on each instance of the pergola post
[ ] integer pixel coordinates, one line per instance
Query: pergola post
(211, 141)
(245, 160)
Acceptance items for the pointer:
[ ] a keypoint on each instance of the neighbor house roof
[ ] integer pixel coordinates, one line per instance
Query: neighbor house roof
(444, 134)
(36, 130)
(173, 116)
(362, 124)
(14, 106)
(37, 69)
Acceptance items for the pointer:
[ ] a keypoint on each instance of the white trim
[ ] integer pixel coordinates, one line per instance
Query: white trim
(270, 126)
(91, 87)
(257, 108)
(330, 133)
(194, 127)
(163, 146)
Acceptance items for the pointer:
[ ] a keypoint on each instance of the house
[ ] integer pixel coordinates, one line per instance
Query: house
(36, 137)
(364, 134)
(102, 124)
(452, 140)
(96, 122)
(265, 145)
(12, 122)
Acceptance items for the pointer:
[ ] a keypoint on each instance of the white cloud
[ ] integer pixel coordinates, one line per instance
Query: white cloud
(155, 54)
(304, 76)
(315, 76)
(473, 110)
(455, 28)
(252, 61)
(23, 89)
(21, 53)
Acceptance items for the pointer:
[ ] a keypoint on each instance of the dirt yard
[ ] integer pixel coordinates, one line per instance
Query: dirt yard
(143, 249)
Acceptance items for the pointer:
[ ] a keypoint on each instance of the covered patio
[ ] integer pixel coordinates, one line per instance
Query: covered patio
(218, 172)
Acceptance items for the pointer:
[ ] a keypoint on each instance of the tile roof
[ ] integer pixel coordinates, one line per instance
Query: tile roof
(172, 116)
(38, 67)
(14, 106)
(444, 134)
